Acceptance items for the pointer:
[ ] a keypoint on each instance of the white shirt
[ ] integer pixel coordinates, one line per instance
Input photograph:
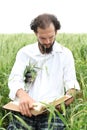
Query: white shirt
(55, 76)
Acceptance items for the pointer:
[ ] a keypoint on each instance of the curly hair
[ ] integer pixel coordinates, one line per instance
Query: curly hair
(43, 21)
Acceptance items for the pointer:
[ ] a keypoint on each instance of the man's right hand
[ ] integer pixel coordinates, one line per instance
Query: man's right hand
(25, 102)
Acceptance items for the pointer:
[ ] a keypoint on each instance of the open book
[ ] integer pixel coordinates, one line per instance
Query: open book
(39, 107)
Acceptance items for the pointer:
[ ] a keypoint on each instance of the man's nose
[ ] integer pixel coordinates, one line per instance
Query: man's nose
(47, 41)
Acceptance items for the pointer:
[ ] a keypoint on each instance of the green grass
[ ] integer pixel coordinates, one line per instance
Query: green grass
(76, 116)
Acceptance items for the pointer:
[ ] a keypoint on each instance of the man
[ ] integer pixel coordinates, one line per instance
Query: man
(55, 78)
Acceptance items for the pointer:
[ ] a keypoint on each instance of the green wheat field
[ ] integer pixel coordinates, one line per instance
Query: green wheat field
(76, 113)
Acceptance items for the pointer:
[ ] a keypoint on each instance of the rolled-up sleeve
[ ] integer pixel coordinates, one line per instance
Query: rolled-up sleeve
(70, 79)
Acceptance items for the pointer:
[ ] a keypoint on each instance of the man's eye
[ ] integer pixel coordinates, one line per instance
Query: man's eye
(51, 37)
(43, 38)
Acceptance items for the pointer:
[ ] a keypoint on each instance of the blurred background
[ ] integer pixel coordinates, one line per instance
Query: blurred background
(16, 15)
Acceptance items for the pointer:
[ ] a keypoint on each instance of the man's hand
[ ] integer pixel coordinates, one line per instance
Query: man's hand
(25, 102)
(71, 92)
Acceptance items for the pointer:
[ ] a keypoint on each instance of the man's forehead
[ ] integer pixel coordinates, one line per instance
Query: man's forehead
(46, 35)
(47, 29)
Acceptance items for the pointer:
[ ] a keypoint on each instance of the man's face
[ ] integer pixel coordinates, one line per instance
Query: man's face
(46, 38)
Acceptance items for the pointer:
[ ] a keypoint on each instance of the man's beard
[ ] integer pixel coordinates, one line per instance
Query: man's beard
(45, 50)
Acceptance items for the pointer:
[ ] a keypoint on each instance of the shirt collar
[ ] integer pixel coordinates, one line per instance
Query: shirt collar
(57, 47)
